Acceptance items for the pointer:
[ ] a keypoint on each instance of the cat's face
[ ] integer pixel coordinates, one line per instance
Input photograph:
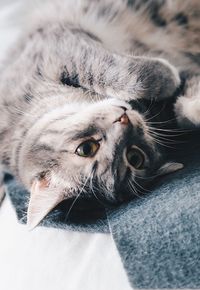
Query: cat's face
(102, 150)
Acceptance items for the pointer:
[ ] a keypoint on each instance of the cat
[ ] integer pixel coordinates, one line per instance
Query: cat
(70, 91)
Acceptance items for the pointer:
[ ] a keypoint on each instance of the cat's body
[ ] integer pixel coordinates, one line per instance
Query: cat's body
(70, 79)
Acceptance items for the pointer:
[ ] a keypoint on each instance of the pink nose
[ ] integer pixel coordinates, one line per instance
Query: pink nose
(124, 119)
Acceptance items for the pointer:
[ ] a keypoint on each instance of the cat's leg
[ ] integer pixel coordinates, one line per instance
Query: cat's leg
(187, 107)
(87, 64)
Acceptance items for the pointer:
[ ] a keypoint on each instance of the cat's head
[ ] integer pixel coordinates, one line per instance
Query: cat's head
(101, 149)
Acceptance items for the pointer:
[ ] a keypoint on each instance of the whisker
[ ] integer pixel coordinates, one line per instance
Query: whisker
(135, 192)
(154, 116)
(145, 189)
(148, 109)
(181, 132)
(92, 189)
(160, 142)
(162, 122)
(161, 138)
(73, 203)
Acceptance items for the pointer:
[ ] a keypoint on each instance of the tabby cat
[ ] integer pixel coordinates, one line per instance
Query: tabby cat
(71, 90)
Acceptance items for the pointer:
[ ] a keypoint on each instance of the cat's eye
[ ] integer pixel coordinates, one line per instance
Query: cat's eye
(88, 148)
(135, 157)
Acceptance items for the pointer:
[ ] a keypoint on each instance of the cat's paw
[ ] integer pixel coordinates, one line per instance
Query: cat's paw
(159, 79)
(187, 111)
(187, 107)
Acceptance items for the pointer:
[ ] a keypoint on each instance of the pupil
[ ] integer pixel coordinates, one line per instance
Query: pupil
(135, 160)
(87, 149)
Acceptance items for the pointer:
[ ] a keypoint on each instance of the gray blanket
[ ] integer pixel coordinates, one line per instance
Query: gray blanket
(157, 235)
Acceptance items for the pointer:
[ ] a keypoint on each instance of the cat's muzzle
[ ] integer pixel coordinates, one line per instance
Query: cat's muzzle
(124, 119)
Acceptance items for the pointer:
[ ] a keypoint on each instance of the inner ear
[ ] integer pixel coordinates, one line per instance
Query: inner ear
(169, 168)
(43, 198)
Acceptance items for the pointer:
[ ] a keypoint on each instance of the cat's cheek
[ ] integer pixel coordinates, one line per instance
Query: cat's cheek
(187, 110)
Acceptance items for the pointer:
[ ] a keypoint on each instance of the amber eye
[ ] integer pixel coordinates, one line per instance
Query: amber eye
(135, 157)
(88, 148)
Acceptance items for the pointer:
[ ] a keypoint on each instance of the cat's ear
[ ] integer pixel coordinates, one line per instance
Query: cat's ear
(44, 197)
(169, 168)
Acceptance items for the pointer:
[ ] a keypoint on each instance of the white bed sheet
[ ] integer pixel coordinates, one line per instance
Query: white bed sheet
(50, 258)
(55, 259)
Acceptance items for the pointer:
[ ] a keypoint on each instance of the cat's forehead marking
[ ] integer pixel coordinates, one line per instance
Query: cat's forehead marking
(84, 133)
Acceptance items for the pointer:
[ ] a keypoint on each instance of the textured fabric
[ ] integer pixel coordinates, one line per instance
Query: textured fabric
(158, 237)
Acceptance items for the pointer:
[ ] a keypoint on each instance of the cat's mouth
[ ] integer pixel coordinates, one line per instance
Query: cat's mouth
(123, 119)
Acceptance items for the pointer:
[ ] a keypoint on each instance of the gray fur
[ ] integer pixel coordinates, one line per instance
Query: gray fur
(79, 64)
